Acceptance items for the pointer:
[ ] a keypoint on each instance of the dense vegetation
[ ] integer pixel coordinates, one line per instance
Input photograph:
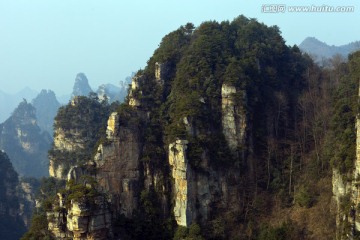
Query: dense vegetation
(45, 195)
(83, 123)
(270, 79)
(11, 226)
(300, 117)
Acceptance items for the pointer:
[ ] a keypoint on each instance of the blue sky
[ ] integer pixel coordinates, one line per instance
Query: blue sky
(45, 43)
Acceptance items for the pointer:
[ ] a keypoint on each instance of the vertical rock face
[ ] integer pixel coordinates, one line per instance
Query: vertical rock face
(135, 93)
(233, 117)
(160, 72)
(181, 172)
(56, 171)
(340, 190)
(112, 125)
(118, 165)
(64, 143)
(348, 190)
(82, 220)
(27, 201)
(355, 188)
(76, 132)
(356, 177)
(198, 194)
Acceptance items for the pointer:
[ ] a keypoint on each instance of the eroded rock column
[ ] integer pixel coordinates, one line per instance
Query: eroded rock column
(180, 172)
(233, 116)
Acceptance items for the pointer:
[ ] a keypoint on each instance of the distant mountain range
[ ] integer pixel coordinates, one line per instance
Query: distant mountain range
(111, 92)
(8, 102)
(321, 51)
(46, 106)
(26, 133)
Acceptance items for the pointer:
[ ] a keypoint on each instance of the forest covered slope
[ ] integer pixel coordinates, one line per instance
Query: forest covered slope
(228, 133)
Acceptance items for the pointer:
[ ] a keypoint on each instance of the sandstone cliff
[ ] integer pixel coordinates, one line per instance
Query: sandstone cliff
(191, 146)
(80, 217)
(77, 129)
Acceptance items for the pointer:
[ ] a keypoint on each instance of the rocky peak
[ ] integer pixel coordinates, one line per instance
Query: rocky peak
(113, 93)
(46, 106)
(135, 91)
(81, 86)
(22, 139)
(24, 114)
(321, 50)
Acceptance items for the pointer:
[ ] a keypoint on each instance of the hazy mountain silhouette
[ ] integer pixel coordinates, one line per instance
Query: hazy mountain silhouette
(321, 51)
(8, 102)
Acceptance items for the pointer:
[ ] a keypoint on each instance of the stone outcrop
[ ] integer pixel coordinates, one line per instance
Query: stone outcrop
(161, 70)
(81, 86)
(234, 121)
(64, 142)
(355, 187)
(81, 220)
(135, 93)
(112, 125)
(118, 165)
(76, 132)
(181, 172)
(197, 193)
(27, 201)
(343, 189)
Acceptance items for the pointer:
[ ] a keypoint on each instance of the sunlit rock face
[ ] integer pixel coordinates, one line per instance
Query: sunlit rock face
(234, 121)
(346, 187)
(135, 93)
(83, 219)
(181, 173)
(77, 129)
(195, 191)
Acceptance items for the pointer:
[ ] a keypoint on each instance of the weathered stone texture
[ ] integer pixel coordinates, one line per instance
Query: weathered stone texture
(233, 117)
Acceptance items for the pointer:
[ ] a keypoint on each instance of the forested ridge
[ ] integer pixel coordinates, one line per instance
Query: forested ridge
(296, 121)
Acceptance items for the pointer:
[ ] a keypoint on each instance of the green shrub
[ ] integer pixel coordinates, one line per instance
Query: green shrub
(304, 197)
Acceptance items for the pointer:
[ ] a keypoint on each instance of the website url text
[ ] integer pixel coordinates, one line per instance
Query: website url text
(282, 8)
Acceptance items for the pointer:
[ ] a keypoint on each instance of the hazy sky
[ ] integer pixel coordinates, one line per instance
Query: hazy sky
(45, 43)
